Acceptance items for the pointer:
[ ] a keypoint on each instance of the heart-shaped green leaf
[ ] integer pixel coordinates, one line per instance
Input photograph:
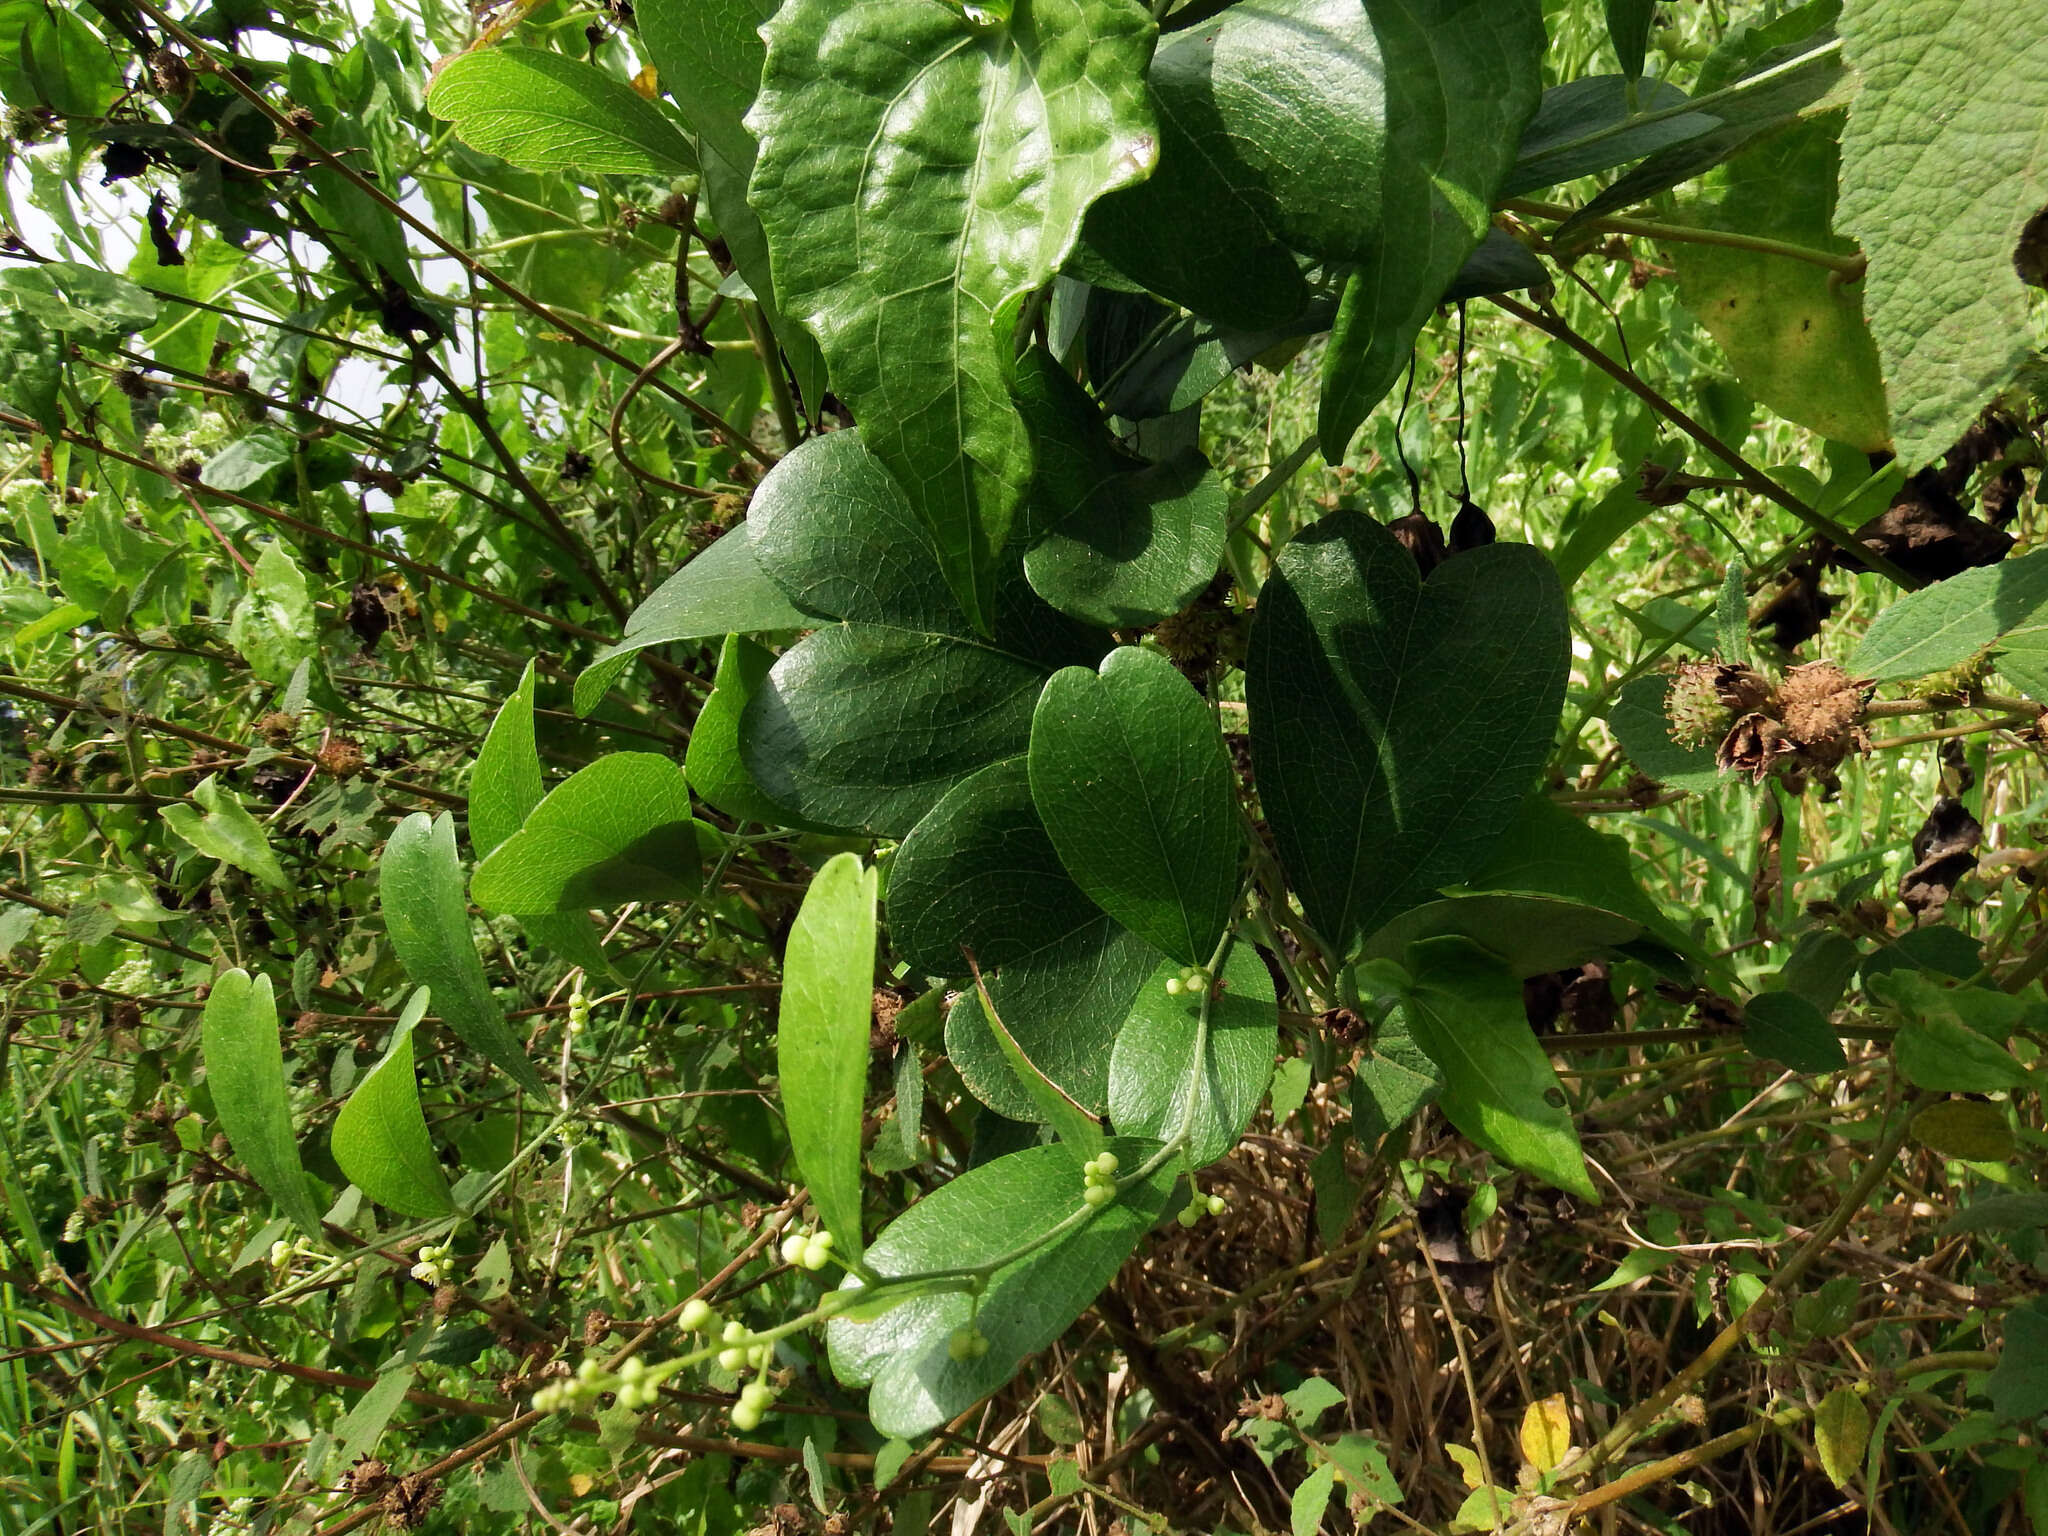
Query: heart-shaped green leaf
(546, 111)
(245, 1075)
(380, 1137)
(218, 826)
(1128, 543)
(419, 887)
(1153, 1071)
(708, 56)
(922, 167)
(981, 1215)
(617, 831)
(866, 724)
(1397, 724)
(1130, 776)
(821, 1039)
(712, 764)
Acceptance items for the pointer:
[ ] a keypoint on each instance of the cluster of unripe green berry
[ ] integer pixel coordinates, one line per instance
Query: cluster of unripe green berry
(1200, 1205)
(1098, 1179)
(579, 1012)
(807, 1250)
(1192, 981)
(967, 1342)
(283, 1254)
(433, 1265)
(634, 1385)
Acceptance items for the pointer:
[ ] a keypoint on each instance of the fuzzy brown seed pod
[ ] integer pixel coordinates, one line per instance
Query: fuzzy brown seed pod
(409, 1501)
(598, 1326)
(368, 1476)
(341, 758)
(1822, 708)
(1708, 697)
(278, 728)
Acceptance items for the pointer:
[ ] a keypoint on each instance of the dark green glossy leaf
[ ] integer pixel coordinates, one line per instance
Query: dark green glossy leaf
(918, 174)
(979, 1216)
(1266, 126)
(980, 873)
(419, 888)
(866, 724)
(1152, 1069)
(1786, 1028)
(1465, 1010)
(821, 1039)
(1396, 725)
(1548, 851)
(1126, 543)
(380, 1137)
(546, 112)
(1462, 80)
(616, 831)
(1063, 1005)
(722, 591)
(1130, 777)
(1628, 27)
(245, 1074)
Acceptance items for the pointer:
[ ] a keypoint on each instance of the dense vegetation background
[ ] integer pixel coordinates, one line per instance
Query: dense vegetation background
(1571, 1029)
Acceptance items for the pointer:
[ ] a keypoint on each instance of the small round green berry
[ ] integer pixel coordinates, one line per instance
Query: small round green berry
(960, 1343)
(633, 1369)
(761, 1356)
(1175, 986)
(1106, 1162)
(734, 1331)
(696, 1315)
(1189, 1216)
(793, 1247)
(1098, 1194)
(1217, 1205)
(758, 1395)
(817, 1252)
(628, 1397)
(590, 1371)
(745, 1418)
(734, 1359)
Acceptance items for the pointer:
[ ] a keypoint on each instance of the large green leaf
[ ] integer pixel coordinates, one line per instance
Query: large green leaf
(1531, 934)
(546, 112)
(980, 1216)
(616, 831)
(1944, 161)
(708, 55)
(274, 625)
(722, 591)
(1267, 127)
(217, 825)
(419, 887)
(1463, 78)
(1465, 1010)
(245, 1075)
(1131, 779)
(921, 168)
(1792, 330)
(1153, 1070)
(380, 1137)
(867, 723)
(1125, 543)
(1952, 622)
(1582, 126)
(979, 873)
(1549, 851)
(1396, 724)
(821, 1039)
(1062, 1005)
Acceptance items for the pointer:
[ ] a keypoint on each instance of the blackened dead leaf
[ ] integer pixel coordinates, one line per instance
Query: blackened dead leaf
(160, 236)
(1440, 1224)
(1927, 534)
(1944, 850)
(1795, 612)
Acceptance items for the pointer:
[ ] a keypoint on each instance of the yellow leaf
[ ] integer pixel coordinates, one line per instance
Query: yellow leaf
(647, 82)
(581, 1483)
(1841, 1433)
(1469, 1465)
(1547, 1433)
